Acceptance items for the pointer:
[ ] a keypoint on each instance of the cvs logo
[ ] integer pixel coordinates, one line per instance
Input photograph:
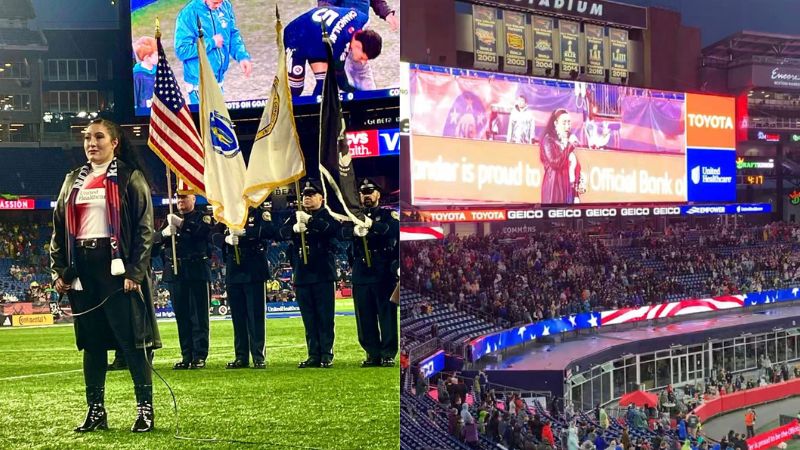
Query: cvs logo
(363, 143)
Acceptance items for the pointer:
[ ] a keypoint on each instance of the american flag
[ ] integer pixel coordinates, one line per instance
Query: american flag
(173, 135)
(680, 308)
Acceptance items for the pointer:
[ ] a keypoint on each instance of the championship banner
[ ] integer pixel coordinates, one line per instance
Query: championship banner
(618, 41)
(515, 59)
(595, 50)
(542, 44)
(569, 32)
(484, 26)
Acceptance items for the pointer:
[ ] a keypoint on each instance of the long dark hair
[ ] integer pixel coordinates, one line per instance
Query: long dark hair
(550, 128)
(123, 151)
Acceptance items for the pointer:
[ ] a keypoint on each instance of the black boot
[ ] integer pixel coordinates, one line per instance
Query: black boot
(96, 417)
(144, 408)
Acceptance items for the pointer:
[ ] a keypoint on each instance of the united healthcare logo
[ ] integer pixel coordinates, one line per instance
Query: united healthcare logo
(223, 139)
(706, 175)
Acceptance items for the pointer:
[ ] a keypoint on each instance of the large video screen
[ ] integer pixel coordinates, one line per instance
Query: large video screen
(240, 42)
(489, 138)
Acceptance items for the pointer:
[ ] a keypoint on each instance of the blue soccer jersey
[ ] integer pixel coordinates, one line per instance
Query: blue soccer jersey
(303, 36)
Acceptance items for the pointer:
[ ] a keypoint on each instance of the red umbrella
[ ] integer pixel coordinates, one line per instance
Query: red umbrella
(639, 398)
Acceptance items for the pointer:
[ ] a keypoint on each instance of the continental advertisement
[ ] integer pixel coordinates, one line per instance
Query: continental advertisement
(484, 26)
(479, 138)
(569, 32)
(542, 44)
(30, 320)
(515, 59)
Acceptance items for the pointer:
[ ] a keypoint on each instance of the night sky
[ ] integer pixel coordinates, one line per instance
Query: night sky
(718, 19)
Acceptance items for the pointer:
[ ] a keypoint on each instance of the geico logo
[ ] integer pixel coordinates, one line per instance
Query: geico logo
(605, 212)
(426, 369)
(488, 215)
(709, 121)
(634, 211)
(667, 211)
(562, 213)
(526, 214)
(448, 216)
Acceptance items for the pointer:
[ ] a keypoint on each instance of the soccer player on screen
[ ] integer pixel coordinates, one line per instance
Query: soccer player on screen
(381, 8)
(353, 46)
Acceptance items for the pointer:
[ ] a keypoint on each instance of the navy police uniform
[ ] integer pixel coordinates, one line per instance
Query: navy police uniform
(245, 287)
(374, 281)
(189, 289)
(314, 281)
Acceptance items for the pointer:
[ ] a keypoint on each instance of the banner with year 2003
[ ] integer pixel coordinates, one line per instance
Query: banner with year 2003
(515, 59)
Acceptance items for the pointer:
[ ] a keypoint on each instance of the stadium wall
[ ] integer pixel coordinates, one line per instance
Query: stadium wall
(747, 398)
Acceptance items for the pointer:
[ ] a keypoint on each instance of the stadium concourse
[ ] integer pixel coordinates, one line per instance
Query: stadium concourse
(464, 291)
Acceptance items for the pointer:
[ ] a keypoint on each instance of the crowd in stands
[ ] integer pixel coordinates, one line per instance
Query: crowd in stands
(522, 278)
(471, 410)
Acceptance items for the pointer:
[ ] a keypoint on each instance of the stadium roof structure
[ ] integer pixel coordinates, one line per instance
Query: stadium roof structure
(16, 9)
(22, 39)
(746, 44)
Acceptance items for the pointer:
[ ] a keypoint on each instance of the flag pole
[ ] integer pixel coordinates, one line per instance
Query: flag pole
(303, 234)
(169, 186)
(174, 249)
(366, 251)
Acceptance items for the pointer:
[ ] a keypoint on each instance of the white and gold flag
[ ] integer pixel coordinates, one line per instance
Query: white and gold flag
(276, 158)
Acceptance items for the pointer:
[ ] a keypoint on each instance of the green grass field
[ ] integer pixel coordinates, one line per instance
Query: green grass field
(42, 396)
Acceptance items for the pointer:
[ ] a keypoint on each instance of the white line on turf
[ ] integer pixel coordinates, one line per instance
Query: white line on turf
(19, 377)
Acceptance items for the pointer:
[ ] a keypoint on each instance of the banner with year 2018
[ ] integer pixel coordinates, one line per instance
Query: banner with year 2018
(542, 44)
(569, 32)
(618, 41)
(484, 26)
(515, 59)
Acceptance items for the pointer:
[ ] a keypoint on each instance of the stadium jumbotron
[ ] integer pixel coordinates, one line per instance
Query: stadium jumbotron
(597, 252)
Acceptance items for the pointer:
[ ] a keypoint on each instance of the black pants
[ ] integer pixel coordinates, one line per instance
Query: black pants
(248, 308)
(317, 308)
(190, 303)
(376, 319)
(750, 431)
(111, 325)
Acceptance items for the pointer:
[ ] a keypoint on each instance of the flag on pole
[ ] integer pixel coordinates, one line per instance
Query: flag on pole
(335, 162)
(276, 158)
(173, 135)
(224, 164)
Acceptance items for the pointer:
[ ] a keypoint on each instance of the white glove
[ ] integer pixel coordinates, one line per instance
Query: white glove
(360, 231)
(169, 231)
(174, 220)
(367, 222)
(299, 227)
(238, 232)
(232, 239)
(302, 216)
